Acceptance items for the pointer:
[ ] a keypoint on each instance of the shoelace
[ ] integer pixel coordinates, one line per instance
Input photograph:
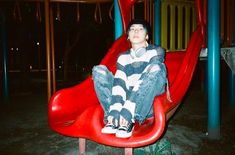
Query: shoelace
(126, 128)
(113, 124)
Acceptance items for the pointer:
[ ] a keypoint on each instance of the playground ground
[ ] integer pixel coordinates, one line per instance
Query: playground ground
(24, 128)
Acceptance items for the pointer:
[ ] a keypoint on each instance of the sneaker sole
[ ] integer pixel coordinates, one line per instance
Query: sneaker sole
(109, 132)
(126, 135)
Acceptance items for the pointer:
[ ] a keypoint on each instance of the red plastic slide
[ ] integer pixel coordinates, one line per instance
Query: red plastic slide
(76, 111)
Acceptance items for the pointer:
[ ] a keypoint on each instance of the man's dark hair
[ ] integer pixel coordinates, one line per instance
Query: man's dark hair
(139, 21)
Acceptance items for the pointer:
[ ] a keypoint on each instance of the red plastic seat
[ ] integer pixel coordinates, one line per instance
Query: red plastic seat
(76, 111)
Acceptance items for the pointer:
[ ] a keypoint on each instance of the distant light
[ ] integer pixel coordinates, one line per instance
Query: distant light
(56, 18)
(17, 49)
(59, 67)
(38, 43)
(30, 67)
(12, 49)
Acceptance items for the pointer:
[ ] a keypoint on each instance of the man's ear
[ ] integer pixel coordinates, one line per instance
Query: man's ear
(147, 37)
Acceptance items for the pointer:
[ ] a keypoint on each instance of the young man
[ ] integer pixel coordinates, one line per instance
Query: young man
(127, 97)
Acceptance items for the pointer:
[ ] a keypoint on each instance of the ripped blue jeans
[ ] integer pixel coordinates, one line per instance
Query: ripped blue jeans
(153, 84)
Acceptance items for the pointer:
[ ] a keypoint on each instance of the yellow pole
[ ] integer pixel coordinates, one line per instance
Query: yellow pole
(194, 20)
(180, 28)
(172, 27)
(48, 59)
(187, 25)
(164, 25)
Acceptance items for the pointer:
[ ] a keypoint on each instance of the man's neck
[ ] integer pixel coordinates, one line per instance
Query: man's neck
(139, 45)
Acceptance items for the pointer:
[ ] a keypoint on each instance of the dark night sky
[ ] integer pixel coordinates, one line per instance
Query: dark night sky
(94, 39)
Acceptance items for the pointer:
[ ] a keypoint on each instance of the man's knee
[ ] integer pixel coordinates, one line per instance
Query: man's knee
(154, 68)
(101, 74)
(100, 69)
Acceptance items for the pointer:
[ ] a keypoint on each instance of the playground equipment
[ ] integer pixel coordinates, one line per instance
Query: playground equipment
(76, 111)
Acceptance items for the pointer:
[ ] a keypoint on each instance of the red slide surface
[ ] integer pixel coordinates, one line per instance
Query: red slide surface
(76, 111)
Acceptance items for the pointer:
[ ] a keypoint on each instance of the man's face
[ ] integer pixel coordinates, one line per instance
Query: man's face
(137, 34)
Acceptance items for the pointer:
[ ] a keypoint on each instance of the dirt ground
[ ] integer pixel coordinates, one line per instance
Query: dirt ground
(24, 128)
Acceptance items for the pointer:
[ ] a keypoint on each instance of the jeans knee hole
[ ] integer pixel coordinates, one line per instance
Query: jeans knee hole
(101, 72)
(155, 68)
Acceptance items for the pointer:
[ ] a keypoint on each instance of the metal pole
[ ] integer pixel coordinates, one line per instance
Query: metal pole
(52, 51)
(5, 57)
(213, 69)
(157, 22)
(117, 20)
(48, 57)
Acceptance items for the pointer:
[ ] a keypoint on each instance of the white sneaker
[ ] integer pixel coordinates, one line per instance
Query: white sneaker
(109, 128)
(125, 131)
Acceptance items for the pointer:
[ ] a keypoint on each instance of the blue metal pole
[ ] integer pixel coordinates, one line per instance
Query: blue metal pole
(213, 69)
(117, 20)
(5, 57)
(157, 22)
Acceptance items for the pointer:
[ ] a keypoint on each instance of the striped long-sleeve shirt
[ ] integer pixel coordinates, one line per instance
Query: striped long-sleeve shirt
(131, 65)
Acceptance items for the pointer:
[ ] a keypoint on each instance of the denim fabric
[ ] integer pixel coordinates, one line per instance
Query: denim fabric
(103, 82)
(153, 84)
